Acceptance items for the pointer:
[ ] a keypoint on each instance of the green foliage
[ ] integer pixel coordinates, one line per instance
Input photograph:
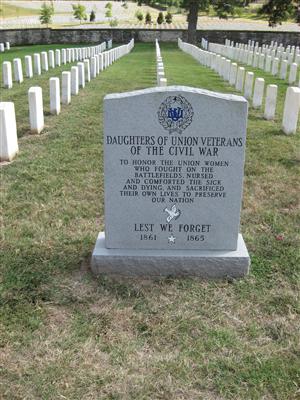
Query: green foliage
(277, 11)
(203, 5)
(79, 12)
(108, 6)
(160, 18)
(113, 22)
(169, 18)
(226, 9)
(46, 14)
(108, 13)
(148, 18)
(92, 16)
(125, 5)
(297, 12)
(139, 15)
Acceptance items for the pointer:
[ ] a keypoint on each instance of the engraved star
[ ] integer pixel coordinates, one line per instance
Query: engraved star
(171, 239)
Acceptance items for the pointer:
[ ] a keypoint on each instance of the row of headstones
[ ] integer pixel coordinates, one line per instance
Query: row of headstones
(45, 60)
(160, 70)
(4, 46)
(71, 81)
(243, 82)
(289, 53)
(264, 59)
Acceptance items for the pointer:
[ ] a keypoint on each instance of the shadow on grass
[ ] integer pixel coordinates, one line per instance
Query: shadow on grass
(289, 163)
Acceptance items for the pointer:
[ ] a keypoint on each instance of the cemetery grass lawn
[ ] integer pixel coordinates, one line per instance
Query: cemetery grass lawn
(66, 334)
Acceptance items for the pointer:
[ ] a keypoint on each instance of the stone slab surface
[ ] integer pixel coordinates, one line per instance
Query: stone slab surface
(173, 168)
(202, 263)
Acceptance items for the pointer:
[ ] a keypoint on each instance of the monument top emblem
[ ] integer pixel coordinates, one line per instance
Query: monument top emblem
(175, 114)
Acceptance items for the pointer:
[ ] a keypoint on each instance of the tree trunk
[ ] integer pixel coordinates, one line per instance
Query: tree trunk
(192, 21)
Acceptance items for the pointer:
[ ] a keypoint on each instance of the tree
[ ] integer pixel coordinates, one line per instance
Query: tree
(148, 18)
(79, 12)
(46, 14)
(92, 16)
(113, 23)
(193, 7)
(169, 18)
(160, 18)
(139, 15)
(225, 9)
(108, 13)
(297, 12)
(108, 5)
(278, 11)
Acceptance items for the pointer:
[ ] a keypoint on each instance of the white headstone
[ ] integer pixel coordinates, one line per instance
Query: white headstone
(293, 73)
(98, 63)
(74, 81)
(275, 66)
(255, 60)
(101, 62)
(63, 56)
(291, 110)
(57, 58)
(248, 85)
(8, 132)
(283, 69)
(240, 79)
(54, 96)
(44, 56)
(270, 105)
(261, 62)
(258, 93)
(233, 73)
(7, 75)
(163, 82)
(37, 63)
(69, 55)
(268, 64)
(93, 67)
(28, 66)
(87, 70)
(36, 113)
(18, 72)
(81, 75)
(227, 70)
(51, 59)
(160, 75)
(66, 87)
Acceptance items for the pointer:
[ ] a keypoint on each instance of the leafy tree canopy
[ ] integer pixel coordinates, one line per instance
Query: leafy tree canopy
(46, 13)
(278, 11)
(79, 12)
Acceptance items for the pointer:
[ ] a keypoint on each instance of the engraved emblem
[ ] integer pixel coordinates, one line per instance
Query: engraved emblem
(173, 213)
(175, 114)
(171, 239)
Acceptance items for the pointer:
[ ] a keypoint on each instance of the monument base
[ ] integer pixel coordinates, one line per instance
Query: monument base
(202, 263)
